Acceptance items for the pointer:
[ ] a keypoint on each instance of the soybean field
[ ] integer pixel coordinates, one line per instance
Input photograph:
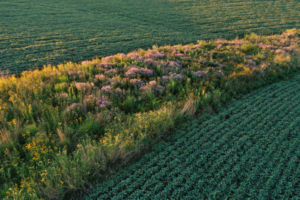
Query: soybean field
(249, 150)
(36, 33)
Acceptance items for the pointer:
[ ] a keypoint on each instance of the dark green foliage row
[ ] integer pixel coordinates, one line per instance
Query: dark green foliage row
(36, 33)
(249, 150)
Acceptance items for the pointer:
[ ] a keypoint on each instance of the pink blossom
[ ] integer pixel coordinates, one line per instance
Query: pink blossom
(289, 48)
(135, 56)
(111, 72)
(102, 102)
(186, 49)
(249, 61)
(75, 74)
(279, 51)
(99, 77)
(202, 59)
(137, 83)
(152, 83)
(160, 54)
(177, 77)
(290, 35)
(106, 89)
(167, 69)
(165, 78)
(200, 74)
(149, 55)
(154, 51)
(81, 86)
(132, 71)
(146, 72)
(220, 73)
(113, 80)
(237, 42)
(174, 64)
(265, 46)
(73, 108)
(108, 59)
(62, 96)
(173, 50)
(105, 64)
(150, 62)
(158, 88)
(179, 55)
(145, 87)
(119, 92)
(155, 55)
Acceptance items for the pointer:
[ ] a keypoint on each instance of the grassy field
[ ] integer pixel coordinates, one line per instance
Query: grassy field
(249, 150)
(36, 33)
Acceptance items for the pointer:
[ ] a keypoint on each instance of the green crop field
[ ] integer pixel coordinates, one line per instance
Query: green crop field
(249, 150)
(104, 102)
(36, 33)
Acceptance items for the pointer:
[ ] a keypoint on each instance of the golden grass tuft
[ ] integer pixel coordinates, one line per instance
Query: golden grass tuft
(5, 136)
(189, 108)
(61, 135)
